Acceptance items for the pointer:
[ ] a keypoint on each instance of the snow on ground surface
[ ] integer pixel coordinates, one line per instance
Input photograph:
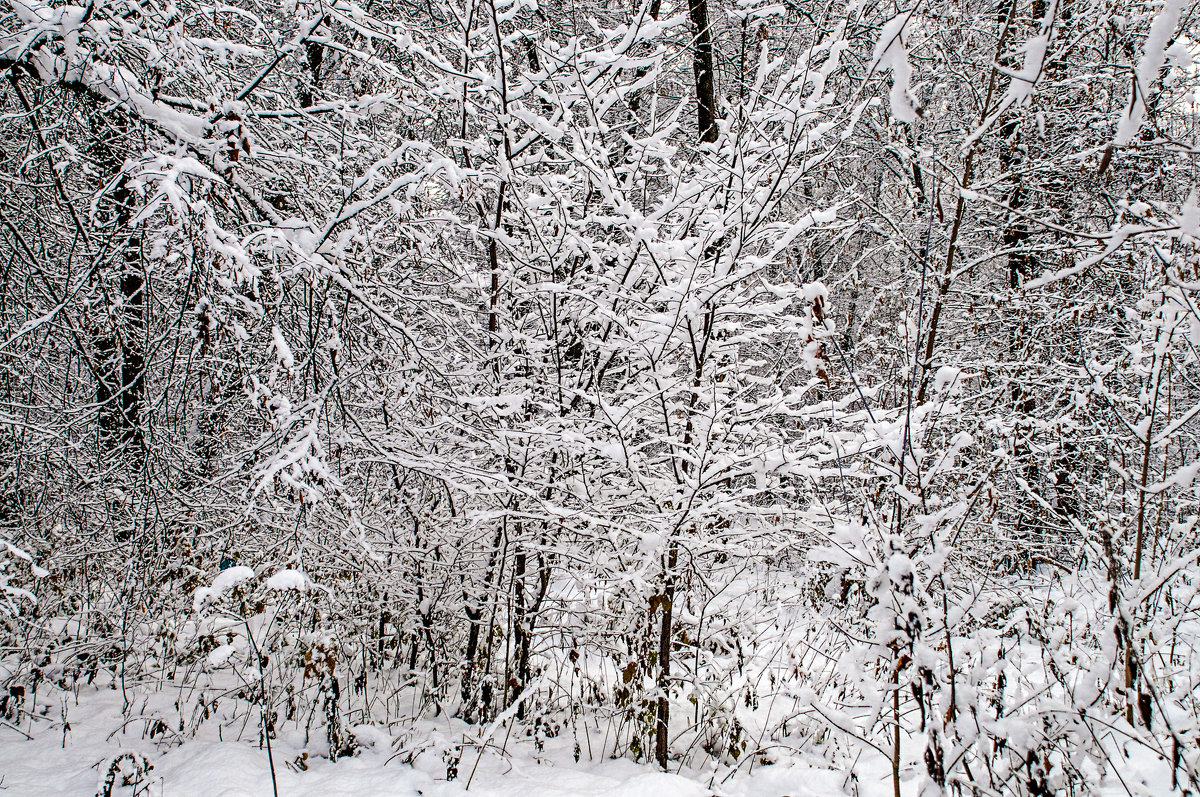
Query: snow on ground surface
(37, 758)
(208, 767)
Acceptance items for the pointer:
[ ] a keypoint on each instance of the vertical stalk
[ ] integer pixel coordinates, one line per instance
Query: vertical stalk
(896, 737)
(666, 633)
(702, 66)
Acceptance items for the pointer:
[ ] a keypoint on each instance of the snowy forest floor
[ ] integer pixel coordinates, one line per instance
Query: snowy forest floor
(202, 767)
(68, 749)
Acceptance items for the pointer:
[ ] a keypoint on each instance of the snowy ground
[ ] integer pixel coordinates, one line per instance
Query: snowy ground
(207, 767)
(38, 758)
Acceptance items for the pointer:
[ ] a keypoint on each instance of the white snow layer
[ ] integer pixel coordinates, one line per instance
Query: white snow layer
(225, 581)
(70, 763)
(891, 53)
(1153, 57)
(287, 579)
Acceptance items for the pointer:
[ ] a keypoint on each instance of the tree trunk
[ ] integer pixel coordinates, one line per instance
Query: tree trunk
(121, 389)
(666, 634)
(702, 64)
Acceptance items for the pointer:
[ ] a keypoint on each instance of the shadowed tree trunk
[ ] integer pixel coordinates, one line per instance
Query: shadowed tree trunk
(121, 388)
(702, 64)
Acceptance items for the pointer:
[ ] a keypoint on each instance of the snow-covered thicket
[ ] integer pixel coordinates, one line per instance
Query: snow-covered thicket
(729, 382)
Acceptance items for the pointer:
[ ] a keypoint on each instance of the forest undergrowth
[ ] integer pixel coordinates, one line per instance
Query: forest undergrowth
(709, 388)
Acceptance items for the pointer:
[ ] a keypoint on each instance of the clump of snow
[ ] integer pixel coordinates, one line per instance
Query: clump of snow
(1020, 89)
(813, 291)
(225, 581)
(1189, 216)
(891, 54)
(371, 737)
(287, 579)
(220, 655)
(1023, 82)
(947, 377)
(1154, 54)
(231, 577)
(1178, 56)
(283, 352)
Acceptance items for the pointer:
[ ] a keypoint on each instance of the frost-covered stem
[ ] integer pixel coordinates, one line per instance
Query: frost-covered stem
(635, 101)
(1131, 664)
(466, 62)
(896, 735)
(671, 560)
(943, 282)
(478, 648)
(262, 711)
(493, 254)
(666, 632)
(520, 629)
(265, 704)
(1147, 444)
(474, 613)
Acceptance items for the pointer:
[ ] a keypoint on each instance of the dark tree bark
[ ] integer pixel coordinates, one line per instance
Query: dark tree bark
(702, 64)
(665, 642)
(121, 388)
